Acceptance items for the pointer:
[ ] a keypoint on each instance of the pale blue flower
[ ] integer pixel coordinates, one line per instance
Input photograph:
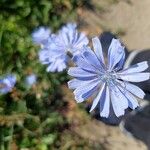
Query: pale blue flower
(106, 82)
(56, 63)
(68, 41)
(31, 79)
(7, 84)
(41, 35)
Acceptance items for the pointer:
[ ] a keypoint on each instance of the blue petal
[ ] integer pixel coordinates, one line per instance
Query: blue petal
(75, 83)
(31, 79)
(90, 56)
(120, 63)
(82, 63)
(7, 84)
(132, 101)
(98, 49)
(86, 90)
(57, 65)
(119, 100)
(105, 104)
(63, 37)
(115, 53)
(98, 97)
(82, 40)
(133, 89)
(41, 35)
(70, 39)
(44, 56)
(12, 79)
(80, 73)
(134, 77)
(139, 67)
(68, 27)
(116, 104)
(121, 96)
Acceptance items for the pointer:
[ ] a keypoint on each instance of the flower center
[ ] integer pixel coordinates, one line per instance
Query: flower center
(109, 77)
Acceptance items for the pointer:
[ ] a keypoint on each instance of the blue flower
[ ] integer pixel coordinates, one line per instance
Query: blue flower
(107, 82)
(56, 63)
(41, 35)
(31, 79)
(68, 41)
(7, 83)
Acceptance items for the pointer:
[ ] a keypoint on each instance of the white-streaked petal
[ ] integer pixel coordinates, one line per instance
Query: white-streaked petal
(116, 103)
(41, 35)
(83, 92)
(82, 63)
(121, 97)
(135, 77)
(104, 111)
(115, 53)
(119, 100)
(98, 48)
(98, 97)
(78, 72)
(90, 56)
(132, 101)
(121, 63)
(133, 89)
(75, 83)
(81, 40)
(52, 67)
(139, 67)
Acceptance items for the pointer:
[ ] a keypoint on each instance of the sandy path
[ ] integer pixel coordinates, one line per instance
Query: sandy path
(110, 137)
(131, 18)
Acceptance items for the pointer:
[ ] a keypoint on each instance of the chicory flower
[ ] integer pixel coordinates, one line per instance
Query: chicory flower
(59, 47)
(41, 35)
(107, 82)
(7, 84)
(31, 79)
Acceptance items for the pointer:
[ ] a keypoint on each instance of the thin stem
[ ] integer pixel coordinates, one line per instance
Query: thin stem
(11, 137)
(1, 139)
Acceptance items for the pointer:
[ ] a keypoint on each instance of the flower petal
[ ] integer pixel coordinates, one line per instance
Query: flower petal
(98, 97)
(98, 49)
(82, 63)
(105, 106)
(81, 40)
(119, 100)
(135, 77)
(133, 89)
(90, 56)
(115, 53)
(132, 101)
(75, 83)
(139, 67)
(80, 73)
(86, 90)
(120, 63)
(116, 104)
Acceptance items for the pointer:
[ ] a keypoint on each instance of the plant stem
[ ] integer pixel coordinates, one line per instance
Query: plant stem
(1, 139)
(11, 137)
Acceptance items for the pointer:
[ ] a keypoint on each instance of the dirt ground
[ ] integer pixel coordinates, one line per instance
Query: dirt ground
(130, 20)
(109, 137)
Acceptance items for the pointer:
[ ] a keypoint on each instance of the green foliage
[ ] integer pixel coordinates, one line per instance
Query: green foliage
(29, 117)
